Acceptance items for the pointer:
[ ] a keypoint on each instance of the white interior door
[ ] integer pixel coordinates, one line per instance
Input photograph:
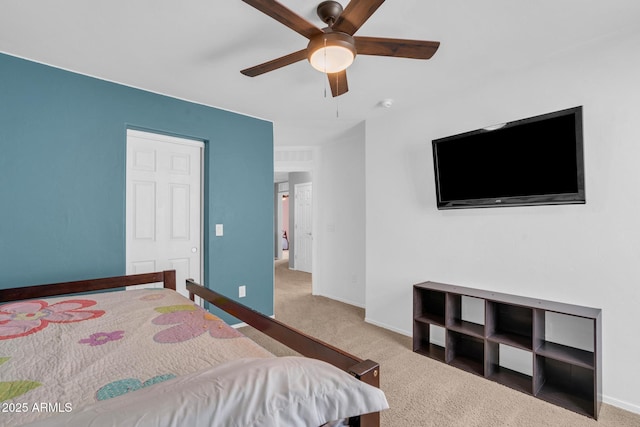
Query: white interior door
(303, 227)
(164, 205)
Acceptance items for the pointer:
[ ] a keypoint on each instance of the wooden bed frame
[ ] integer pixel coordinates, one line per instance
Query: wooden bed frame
(365, 370)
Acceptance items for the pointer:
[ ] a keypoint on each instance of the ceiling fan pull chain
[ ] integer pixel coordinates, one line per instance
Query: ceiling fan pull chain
(325, 56)
(325, 67)
(337, 97)
(325, 87)
(326, 83)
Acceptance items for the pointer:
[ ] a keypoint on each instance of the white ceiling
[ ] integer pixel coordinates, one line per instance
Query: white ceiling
(195, 49)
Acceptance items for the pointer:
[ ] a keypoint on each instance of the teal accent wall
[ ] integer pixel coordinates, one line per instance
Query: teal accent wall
(62, 180)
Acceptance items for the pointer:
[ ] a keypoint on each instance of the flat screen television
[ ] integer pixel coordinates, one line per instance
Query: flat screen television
(533, 161)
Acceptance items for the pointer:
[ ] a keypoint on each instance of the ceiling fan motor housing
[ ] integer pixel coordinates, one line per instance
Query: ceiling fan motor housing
(328, 11)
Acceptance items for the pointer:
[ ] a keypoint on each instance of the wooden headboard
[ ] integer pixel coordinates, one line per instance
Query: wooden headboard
(168, 278)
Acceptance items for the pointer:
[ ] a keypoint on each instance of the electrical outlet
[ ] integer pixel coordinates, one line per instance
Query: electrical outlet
(242, 291)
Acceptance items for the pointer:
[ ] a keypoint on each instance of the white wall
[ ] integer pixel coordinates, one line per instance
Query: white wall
(339, 191)
(580, 254)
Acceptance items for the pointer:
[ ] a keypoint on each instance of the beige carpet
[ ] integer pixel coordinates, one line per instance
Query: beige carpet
(421, 391)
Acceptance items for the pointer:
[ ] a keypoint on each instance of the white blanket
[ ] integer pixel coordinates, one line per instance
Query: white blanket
(285, 391)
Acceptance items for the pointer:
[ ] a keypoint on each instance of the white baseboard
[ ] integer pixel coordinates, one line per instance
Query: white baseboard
(339, 300)
(621, 404)
(239, 325)
(389, 327)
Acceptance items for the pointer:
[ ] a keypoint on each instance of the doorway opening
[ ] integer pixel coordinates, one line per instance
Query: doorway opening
(294, 229)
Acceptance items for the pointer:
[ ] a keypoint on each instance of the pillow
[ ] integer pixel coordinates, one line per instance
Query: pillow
(281, 391)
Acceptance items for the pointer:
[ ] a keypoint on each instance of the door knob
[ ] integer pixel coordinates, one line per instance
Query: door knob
(194, 250)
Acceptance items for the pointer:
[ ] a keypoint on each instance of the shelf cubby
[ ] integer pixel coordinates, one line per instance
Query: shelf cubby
(510, 324)
(513, 378)
(561, 342)
(433, 351)
(428, 307)
(566, 385)
(456, 318)
(546, 349)
(465, 352)
(423, 342)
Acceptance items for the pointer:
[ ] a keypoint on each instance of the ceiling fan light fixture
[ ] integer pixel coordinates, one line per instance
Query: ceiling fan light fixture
(331, 52)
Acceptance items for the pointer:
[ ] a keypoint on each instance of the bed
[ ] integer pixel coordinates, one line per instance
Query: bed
(141, 357)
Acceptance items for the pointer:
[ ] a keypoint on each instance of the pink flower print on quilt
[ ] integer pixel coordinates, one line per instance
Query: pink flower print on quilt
(23, 318)
(190, 322)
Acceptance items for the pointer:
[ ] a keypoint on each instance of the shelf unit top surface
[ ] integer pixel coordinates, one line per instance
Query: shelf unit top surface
(574, 310)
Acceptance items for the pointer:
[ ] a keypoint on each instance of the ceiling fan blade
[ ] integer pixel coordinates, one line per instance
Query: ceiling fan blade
(400, 48)
(355, 15)
(338, 83)
(285, 16)
(275, 63)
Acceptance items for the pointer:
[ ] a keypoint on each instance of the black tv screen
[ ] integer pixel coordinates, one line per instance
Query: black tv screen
(534, 161)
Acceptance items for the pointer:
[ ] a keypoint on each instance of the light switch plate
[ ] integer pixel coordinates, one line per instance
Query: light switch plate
(219, 230)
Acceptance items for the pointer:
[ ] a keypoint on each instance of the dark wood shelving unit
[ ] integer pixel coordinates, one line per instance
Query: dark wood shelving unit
(566, 376)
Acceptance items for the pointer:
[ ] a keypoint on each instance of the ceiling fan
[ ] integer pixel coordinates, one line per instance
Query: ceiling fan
(332, 49)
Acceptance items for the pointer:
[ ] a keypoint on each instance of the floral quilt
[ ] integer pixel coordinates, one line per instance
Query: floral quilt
(60, 354)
